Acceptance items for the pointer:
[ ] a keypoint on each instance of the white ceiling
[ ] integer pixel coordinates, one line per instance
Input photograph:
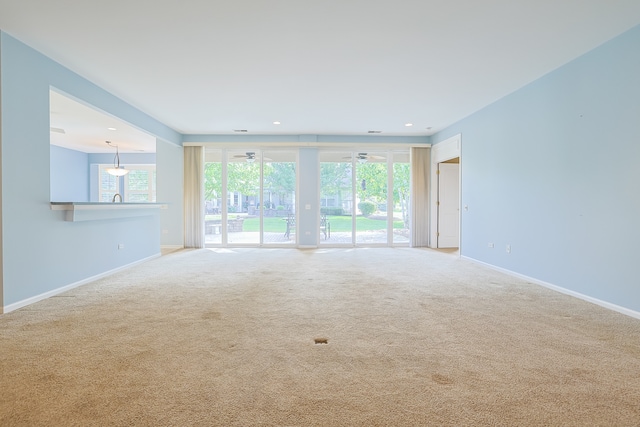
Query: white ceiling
(79, 127)
(341, 67)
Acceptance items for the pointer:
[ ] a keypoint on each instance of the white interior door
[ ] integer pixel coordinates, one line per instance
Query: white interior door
(448, 205)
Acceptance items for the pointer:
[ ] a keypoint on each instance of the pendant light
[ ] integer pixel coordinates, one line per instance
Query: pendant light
(116, 170)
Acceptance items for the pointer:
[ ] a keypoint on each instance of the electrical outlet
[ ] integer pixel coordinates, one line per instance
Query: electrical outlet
(120, 245)
(491, 245)
(165, 231)
(508, 249)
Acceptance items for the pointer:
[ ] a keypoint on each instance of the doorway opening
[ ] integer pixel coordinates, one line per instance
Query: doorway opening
(446, 190)
(448, 204)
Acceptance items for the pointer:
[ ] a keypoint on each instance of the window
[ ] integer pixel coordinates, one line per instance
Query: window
(109, 185)
(138, 186)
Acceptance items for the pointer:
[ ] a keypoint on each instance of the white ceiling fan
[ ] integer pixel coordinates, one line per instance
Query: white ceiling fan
(249, 156)
(364, 157)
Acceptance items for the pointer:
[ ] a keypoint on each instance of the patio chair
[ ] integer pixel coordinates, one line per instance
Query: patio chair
(325, 226)
(291, 224)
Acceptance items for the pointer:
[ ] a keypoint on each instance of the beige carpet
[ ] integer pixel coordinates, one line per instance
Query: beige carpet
(227, 338)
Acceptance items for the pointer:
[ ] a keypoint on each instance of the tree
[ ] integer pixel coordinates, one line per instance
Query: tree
(242, 178)
(401, 187)
(373, 182)
(212, 181)
(335, 177)
(280, 178)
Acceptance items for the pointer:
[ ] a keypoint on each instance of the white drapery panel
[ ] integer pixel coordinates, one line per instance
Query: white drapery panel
(420, 162)
(194, 197)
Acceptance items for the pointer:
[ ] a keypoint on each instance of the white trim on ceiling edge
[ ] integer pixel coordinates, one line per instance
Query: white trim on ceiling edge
(57, 291)
(345, 145)
(605, 304)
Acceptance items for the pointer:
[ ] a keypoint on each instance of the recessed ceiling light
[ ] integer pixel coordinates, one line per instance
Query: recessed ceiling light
(112, 129)
(408, 124)
(276, 123)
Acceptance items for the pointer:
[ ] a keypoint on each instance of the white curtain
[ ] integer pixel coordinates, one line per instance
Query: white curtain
(420, 163)
(194, 197)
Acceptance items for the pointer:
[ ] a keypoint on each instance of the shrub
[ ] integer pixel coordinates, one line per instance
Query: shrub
(332, 211)
(367, 208)
(280, 208)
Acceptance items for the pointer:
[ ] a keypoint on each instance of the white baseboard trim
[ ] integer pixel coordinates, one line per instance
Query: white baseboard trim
(36, 298)
(605, 304)
(307, 246)
(171, 246)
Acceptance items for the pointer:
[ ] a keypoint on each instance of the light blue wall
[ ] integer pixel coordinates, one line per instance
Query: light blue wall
(41, 251)
(169, 169)
(69, 175)
(552, 170)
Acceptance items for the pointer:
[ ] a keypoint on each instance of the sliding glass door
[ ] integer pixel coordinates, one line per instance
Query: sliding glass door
(243, 197)
(213, 197)
(250, 197)
(336, 198)
(372, 174)
(279, 198)
(401, 198)
(364, 198)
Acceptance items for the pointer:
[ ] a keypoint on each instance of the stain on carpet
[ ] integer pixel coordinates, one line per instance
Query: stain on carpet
(441, 379)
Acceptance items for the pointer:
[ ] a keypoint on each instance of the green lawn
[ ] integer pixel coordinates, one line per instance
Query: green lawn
(338, 223)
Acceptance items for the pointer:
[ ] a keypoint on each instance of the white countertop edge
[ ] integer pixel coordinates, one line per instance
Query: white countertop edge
(81, 206)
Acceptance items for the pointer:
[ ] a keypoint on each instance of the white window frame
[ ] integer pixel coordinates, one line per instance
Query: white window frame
(111, 192)
(122, 184)
(150, 191)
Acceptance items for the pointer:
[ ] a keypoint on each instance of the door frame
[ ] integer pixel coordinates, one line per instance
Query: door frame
(446, 150)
